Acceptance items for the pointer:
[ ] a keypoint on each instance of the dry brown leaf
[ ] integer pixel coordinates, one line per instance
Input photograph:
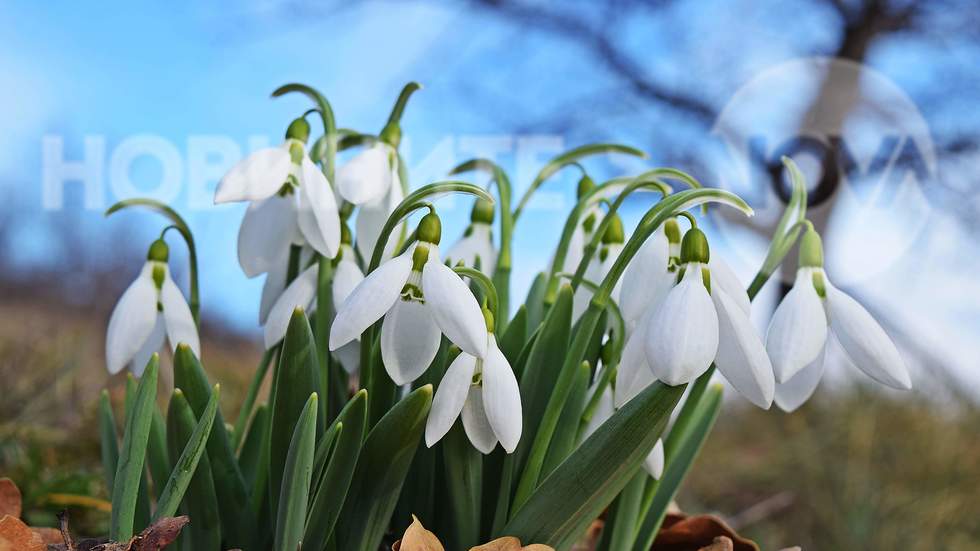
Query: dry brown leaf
(510, 543)
(49, 535)
(702, 532)
(417, 538)
(17, 536)
(10, 499)
(157, 536)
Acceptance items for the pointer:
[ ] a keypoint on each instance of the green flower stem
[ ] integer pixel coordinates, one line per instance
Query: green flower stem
(323, 318)
(501, 273)
(194, 301)
(590, 319)
(571, 157)
(488, 289)
(396, 112)
(329, 155)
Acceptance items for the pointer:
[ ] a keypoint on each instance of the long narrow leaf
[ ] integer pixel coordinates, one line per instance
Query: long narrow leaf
(109, 440)
(296, 478)
(129, 472)
(186, 465)
(157, 458)
(464, 484)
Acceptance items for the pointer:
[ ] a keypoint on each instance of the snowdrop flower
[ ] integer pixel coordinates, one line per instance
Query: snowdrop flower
(291, 203)
(485, 392)
(370, 180)
(475, 248)
(301, 293)
(584, 231)
(600, 264)
(150, 310)
(420, 299)
(698, 323)
(651, 273)
(654, 462)
(798, 333)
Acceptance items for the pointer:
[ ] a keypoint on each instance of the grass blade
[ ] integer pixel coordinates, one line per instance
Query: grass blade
(129, 471)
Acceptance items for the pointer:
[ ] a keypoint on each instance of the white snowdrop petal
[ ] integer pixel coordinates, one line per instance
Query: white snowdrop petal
(274, 285)
(371, 218)
(654, 462)
(603, 411)
(865, 342)
(502, 398)
(682, 339)
(152, 345)
(741, 357)
(449, 398)
(798, 329)
(132, 320)
(258, 176)
(573, 257)
(409, 341)
(723, 277)
(634, 373)
(349, 356)
(267, 231)
(346, 277)
(646, 279)
(178, 318)
(318, 218)
(454, 308)
(795, 392)
(366, 177)
(299, 294)
(369, 300)
(475, 422)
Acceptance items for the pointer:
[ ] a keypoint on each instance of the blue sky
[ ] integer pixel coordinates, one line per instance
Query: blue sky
(198, 70)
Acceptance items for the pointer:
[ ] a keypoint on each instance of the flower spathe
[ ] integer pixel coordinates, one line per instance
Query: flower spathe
(151, 310)
(486, 394)
(420, 299)
(291, 203)
(699, 322)
(800, 330)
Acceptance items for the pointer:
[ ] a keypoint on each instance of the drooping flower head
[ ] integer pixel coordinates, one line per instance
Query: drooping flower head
(420, 299)
(291, 203)
(813, 309)
(701, 321)
(475, 249)
(484, 391)
(151, 310)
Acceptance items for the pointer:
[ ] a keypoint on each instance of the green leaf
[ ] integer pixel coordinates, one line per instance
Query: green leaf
(251, 454)
(237, 523)
(622, 524)
(129, 472)
(464, 478)
(380, 473)
(680, 453)
(296, 479)
(537, 381)
(513, 338)
(186, 465)
(296, 377)
(251, 394)
(561, 508)
(564, 440)
(157, 457)
(335, 481)
(200, 499)
(109, 440)
(535, 301)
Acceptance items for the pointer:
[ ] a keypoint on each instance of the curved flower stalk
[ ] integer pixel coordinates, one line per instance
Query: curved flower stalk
(484, 391)
(475, 248)
(699, 322)
(612, 244)
(291, 203)
(420, 299)
(150, 310)
(814, 308)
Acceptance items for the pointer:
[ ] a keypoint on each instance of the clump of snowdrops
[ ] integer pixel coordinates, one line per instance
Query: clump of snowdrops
(406, 381)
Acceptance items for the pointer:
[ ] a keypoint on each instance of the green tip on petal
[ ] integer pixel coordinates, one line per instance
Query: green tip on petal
(430, 229)
(419, 257)
(159, 251)
(482, 212)
(811, 250)
(299, 129)
(694, 247)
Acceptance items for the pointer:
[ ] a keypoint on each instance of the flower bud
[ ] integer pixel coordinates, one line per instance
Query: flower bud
(159, 251)
(430, 229)
(811, 250)
(673, 231)
(694, 247)
(482, 212)
(299, 129)
(585, 185)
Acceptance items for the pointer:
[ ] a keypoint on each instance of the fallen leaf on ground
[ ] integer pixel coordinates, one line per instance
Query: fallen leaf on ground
(699, 533)
(417, 538)
(17, 536)
(10, 499)
(157, 536)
